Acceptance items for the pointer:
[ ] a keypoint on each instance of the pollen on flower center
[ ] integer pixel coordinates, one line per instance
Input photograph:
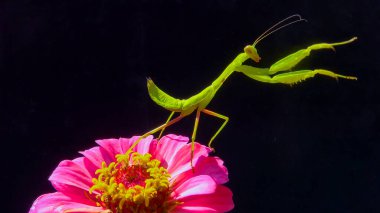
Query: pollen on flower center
(139, 185)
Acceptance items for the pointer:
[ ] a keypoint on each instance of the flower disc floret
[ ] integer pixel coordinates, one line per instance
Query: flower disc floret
(136, 185)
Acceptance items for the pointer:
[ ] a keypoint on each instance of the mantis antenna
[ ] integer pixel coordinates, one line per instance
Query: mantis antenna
(279, 25)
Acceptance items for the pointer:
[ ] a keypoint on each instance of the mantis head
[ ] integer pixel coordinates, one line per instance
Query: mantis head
(251, 51)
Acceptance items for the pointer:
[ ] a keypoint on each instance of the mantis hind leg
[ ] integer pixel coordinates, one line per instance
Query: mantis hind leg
(163, 126)
(167, 121)
(293, 59)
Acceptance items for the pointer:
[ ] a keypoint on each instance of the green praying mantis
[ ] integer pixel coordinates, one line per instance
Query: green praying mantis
(200, 101)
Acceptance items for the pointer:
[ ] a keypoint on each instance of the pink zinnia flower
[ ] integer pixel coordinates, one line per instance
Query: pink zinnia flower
(155, 177)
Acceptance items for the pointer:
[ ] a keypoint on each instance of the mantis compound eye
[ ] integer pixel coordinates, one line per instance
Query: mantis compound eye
(252, 53)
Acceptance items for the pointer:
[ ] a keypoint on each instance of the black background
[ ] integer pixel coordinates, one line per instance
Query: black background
(75, 71)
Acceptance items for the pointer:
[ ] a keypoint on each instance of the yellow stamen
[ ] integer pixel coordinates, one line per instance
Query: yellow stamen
(140, 186)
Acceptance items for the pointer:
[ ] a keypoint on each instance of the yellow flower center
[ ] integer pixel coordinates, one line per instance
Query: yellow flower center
(140, 186)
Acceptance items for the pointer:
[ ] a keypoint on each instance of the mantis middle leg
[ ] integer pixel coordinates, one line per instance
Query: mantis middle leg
(193, 137)
(225, 118)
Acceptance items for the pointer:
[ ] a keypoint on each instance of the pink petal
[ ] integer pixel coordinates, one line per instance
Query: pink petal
(58, 202)
(125, 143)
(93, 159)
(202, 184)
(219, 201)
(212, 166)
(70, 177)
(167, 147)
(144, 145)
(109, 148)
(178, 138)
(181, 159)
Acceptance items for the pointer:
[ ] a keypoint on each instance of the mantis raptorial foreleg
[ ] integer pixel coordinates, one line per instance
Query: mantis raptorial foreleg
(289, 77)
(259, 74)
(293, 59)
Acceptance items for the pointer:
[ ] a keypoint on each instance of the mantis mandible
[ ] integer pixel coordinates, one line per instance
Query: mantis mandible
(200, 101)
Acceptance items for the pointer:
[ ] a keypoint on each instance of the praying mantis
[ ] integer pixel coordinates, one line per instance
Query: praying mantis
(200, 101)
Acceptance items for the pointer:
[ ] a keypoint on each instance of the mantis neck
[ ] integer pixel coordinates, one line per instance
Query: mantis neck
(239, 60)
